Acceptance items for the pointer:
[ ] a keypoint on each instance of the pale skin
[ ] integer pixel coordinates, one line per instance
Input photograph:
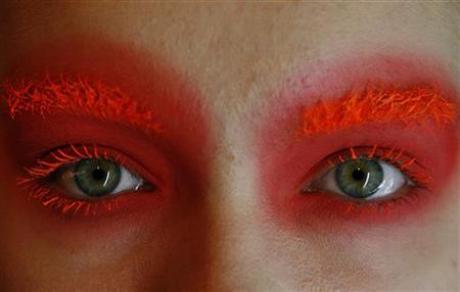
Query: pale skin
(235, 53)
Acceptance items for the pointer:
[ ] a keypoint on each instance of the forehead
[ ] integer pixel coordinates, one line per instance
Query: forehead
(239, 52)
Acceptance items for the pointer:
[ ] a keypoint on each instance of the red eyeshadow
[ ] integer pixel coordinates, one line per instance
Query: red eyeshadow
(89, 90)
(138, 75)
(299, 133)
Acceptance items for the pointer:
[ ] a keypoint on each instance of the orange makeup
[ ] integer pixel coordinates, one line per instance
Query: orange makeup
(103, 98)
(408, 106)
(397, 109)
(78, 96)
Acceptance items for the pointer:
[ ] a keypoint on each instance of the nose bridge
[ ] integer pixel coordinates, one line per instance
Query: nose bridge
(233, 205)
(236, 261)
(233, 231)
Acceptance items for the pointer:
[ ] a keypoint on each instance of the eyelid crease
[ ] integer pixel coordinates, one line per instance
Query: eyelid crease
(413, 105)
(76, 95)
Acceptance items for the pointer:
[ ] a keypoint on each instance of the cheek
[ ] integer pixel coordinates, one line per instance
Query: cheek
(149, 245)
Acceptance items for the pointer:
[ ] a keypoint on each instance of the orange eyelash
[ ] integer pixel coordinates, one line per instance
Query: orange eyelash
(398, 157)
(37, 189)
(323, 205)
(409, 106)
(58, 158)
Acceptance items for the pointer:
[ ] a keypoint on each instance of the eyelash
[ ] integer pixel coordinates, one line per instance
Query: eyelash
(397, 157)
(35, 181)
(332, 206)
(36, 185)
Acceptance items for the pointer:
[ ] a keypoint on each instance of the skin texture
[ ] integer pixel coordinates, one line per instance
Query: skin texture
(236, 55)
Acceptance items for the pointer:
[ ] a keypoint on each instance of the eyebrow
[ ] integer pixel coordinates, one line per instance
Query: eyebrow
(77, 96)
(376, 104)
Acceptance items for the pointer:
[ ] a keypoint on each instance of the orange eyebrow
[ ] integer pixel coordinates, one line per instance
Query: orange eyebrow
(414, 105)
(77, 96)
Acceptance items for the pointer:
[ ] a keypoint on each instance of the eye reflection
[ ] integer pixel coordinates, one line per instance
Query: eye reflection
(359, 178)
(97, 178)
(363, 178)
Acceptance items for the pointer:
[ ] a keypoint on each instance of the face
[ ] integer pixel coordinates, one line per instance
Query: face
(229, 146)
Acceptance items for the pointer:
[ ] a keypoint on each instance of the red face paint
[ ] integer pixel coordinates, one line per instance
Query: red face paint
(392, 102)
(104, 96)
(101, 93)
(39, 183)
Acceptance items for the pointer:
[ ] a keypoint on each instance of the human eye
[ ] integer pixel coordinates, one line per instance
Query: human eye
(96, 178)
(90, 147)
(84, 179)
(368, 174)
(378, 155)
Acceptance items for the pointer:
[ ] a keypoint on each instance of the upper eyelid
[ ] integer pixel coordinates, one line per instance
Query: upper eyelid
(44, 166)
(57, 157)
(417, 173)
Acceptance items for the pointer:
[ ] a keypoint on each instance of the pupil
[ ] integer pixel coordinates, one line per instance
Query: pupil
(359, 178)
(99, 174)
(97, 177)
(358, 174)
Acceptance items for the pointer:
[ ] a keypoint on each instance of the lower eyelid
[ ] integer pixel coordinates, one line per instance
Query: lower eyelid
(53, 199)
(36, 181)
(320, 207)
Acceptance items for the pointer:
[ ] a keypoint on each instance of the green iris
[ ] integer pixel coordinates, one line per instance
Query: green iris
(359, 178)
(97, 177)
